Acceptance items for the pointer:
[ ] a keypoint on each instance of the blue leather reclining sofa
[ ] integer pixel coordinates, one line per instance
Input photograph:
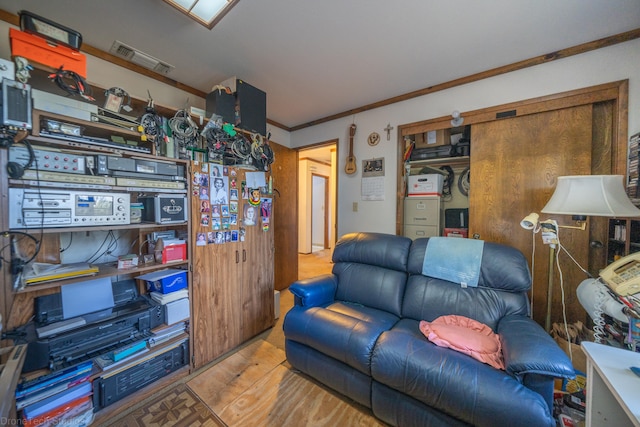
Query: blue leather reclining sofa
(357, 331)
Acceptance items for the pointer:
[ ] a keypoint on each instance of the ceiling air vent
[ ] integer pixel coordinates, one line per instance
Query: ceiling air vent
(163, 68)
(140, 58)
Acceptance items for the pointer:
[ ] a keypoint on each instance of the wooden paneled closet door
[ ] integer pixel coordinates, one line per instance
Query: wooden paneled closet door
(514, 166)
(256, 264)
(285, 226)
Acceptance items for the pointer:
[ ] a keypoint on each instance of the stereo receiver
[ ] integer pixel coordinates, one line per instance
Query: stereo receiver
(40, 208)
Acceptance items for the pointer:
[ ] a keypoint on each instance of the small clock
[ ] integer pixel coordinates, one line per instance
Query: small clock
(374, 138)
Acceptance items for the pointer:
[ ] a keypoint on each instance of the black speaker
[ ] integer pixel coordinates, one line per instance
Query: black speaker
(223, 104)
(246, 108)
(252, 108)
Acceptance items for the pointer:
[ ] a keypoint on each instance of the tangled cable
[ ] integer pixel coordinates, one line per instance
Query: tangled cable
(598, 320)
(152, 124)
(217, 140)
(223, 140)
(464, 181)
(72, 83)
(261, 152)
(241, 147)
(184, 130)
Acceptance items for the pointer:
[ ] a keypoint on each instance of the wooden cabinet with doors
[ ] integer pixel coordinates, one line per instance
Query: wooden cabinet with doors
(517, 152)
(233, 276)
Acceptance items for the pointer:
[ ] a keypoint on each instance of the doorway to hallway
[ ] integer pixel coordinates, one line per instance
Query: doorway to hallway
(316, 208)
(319, 216)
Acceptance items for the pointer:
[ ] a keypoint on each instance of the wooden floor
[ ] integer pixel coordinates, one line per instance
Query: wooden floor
(314, 264)
(256, 387)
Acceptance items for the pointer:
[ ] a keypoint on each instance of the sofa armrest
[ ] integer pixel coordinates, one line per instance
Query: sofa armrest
(314, 292)
(528, 349)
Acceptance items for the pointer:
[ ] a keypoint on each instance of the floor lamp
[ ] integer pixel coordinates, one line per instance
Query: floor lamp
(581, 196)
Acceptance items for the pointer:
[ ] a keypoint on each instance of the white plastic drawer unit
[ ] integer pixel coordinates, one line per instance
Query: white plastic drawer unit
(422, 216)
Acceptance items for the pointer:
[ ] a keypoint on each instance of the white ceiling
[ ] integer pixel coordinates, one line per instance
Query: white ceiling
(319, 58)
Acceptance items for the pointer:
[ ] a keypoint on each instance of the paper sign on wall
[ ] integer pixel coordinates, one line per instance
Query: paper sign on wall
(256, 179)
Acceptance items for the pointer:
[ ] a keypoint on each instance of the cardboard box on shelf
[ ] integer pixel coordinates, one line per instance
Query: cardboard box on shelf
(433, 138)
(425, 185)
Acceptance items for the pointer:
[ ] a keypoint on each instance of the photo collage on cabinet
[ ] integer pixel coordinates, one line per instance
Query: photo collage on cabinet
(229, 202)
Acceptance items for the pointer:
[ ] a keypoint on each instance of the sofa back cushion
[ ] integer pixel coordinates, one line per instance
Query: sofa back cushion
(501, 267)
(372, 269)
(503, 282)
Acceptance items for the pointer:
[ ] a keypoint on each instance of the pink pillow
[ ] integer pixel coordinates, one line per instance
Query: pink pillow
(467, 336)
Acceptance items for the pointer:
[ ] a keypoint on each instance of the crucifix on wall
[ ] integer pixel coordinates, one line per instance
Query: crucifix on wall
(388, 129)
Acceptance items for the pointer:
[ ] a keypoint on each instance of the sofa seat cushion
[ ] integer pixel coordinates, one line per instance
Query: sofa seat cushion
(452, 382)
(343, 331)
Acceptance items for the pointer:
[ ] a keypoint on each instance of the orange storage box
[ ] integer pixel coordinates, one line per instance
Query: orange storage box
(40, 51)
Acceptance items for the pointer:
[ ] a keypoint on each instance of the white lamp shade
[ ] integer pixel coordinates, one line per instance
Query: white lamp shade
(591, 195)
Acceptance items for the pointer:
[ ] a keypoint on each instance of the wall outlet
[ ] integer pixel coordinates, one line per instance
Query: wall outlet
(355, 206)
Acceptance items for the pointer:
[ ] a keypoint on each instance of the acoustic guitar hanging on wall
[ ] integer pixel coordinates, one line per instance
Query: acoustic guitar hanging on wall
(350, 167)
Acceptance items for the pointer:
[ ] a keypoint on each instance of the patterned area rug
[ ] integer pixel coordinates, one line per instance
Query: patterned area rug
(177, 407)
(254, 387)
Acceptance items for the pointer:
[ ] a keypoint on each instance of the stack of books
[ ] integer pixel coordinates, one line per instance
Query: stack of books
(176, 316)
(634, 169)
(57, 398)
(165, 333)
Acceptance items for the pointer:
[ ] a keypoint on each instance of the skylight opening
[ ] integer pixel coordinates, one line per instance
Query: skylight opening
(205, 12)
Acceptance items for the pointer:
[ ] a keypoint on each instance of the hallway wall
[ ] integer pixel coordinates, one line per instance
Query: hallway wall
(307, 168)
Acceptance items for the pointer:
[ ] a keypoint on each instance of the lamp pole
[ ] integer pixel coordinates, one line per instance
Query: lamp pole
(547, 320)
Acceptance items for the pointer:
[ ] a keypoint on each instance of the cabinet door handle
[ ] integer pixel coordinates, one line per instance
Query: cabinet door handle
(244, 255)
(237, 257)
